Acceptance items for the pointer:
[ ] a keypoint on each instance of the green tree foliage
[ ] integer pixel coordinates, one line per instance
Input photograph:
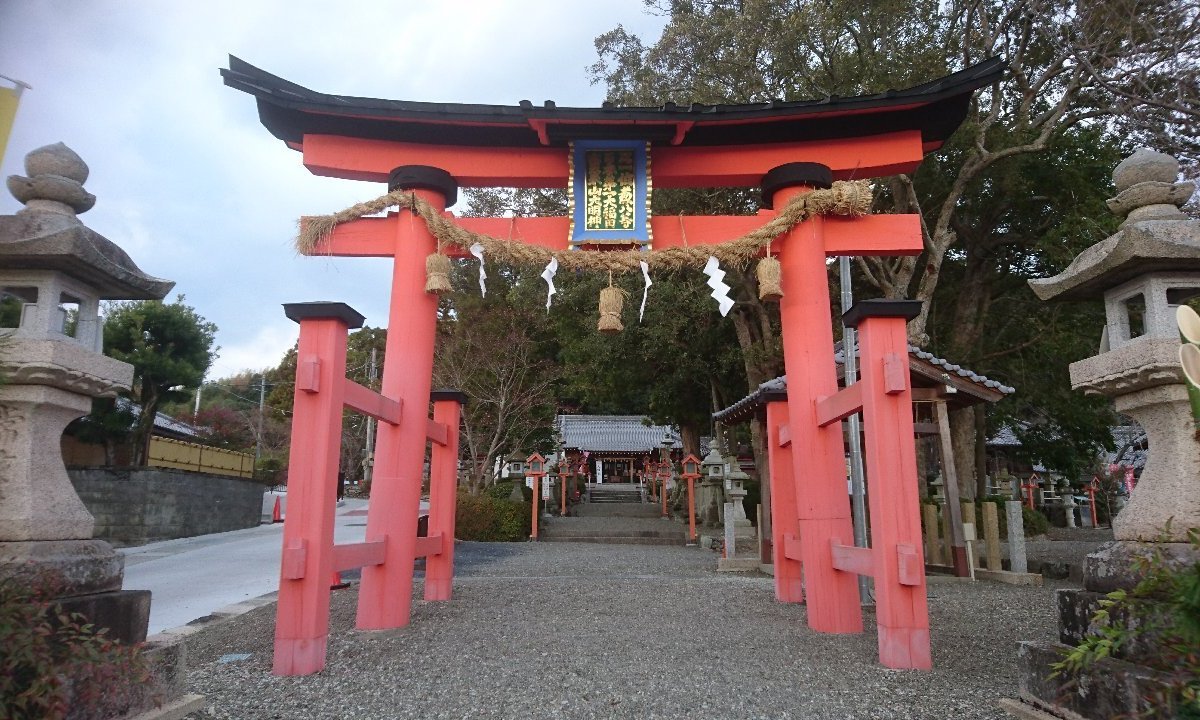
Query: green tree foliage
(170, 347)
(1078, 72)
(497, 351)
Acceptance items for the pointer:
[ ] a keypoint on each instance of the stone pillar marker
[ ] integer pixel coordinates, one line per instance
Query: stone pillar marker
(55, 271)
(1144, 272)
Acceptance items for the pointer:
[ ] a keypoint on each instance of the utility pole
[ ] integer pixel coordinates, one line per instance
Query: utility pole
(262, 401)
(857, 486)
(369, 451)
(196, 409)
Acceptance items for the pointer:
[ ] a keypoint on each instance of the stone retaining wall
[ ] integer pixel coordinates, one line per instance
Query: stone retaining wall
(134, 506)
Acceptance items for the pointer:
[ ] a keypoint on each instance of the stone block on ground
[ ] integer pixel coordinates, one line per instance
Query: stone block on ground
(125, 613)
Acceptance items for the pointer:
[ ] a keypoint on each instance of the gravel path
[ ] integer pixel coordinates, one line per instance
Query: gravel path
(621, 631)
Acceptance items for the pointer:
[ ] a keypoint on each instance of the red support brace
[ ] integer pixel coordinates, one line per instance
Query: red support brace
(302, 617)
(443, 495)
(788, 584)
(890, 457)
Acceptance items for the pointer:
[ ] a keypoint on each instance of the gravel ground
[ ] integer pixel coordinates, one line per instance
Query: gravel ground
(560, 630)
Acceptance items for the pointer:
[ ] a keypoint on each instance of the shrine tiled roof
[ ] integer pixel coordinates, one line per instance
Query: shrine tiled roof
(921, 362)
(614, 433)
(290, 111)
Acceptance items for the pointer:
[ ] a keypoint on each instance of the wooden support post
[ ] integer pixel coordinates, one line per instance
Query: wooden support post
(537, 493)
(691, 501)
(822, 504)
(385, 596)
(443, 494)
(902, 612)
(788, 585)
(958, 546)
(991, 536)
(933, 539)
(302, 616)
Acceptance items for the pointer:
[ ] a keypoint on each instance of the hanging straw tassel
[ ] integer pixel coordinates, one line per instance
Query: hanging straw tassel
(769, 273)
(437, 273)
(612, 299)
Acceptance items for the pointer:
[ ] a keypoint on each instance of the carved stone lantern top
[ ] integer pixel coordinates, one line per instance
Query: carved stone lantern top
(1154, 237)
(47, 235)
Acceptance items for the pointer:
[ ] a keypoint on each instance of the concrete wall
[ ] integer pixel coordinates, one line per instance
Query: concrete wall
(134, 506)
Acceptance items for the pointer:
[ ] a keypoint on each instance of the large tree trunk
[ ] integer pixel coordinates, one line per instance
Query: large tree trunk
(962, 437)
(690, 437)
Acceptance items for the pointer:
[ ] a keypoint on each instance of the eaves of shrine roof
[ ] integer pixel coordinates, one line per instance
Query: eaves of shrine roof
(290, 111)
(925, 368)
(613, 433)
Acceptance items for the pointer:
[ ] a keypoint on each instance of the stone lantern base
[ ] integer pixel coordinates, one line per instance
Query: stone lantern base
(1115, 686)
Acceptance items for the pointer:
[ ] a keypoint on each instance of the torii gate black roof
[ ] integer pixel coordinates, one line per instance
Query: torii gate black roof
(290, 111)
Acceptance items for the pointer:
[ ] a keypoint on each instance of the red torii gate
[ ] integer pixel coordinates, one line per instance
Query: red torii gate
(787, 149)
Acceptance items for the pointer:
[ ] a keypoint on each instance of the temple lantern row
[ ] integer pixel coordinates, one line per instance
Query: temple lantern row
(801, 154)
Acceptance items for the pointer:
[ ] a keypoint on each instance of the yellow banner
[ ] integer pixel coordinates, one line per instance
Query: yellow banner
(9, 97)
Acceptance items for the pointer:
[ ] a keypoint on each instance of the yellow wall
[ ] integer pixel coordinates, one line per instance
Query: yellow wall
(180, 455)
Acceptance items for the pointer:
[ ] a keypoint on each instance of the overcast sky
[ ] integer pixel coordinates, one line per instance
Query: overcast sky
(197, 191)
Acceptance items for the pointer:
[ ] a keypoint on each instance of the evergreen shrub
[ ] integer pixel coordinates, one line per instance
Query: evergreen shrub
(484, 518)
(55, 665)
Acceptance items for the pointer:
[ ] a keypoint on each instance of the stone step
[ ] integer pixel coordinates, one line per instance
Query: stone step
(667, 532)
(615, 540)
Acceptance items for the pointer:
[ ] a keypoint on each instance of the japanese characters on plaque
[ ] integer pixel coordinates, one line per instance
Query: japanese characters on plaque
(610, 193)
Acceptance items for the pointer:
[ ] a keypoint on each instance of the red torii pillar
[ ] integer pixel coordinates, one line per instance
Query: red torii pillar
(822, 505)
(386, 592)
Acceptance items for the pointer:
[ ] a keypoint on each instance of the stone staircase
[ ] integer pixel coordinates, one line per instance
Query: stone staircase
(621, 522)
(614, 493)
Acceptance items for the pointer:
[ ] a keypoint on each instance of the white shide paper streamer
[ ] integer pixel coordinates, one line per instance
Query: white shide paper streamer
(477, 251)
(716, 281)
(548, 276)
(645, 289)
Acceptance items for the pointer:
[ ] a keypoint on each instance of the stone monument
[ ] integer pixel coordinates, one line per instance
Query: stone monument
(1143, 272)
(54, 271)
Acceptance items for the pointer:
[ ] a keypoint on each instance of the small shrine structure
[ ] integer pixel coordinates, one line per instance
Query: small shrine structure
(610, 159)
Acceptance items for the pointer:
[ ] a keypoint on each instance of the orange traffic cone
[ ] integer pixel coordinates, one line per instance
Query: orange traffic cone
(277, 513)
(335, 581)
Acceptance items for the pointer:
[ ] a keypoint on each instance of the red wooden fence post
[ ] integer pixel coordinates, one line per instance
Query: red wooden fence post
(385, 596)
(443, 494)
(785, 533)
(822, 504)
(302, 616)
(896, 552)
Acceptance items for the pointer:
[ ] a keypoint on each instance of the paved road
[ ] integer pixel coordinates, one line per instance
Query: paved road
(192, 577)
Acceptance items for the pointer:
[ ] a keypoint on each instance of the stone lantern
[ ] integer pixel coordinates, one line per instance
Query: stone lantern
(54, 271)
(712, 492)
(1144, 272)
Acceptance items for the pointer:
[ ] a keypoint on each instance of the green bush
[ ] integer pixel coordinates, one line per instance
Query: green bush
(503, 490)
(56, 665)
(485, 518)
(1035, 522)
